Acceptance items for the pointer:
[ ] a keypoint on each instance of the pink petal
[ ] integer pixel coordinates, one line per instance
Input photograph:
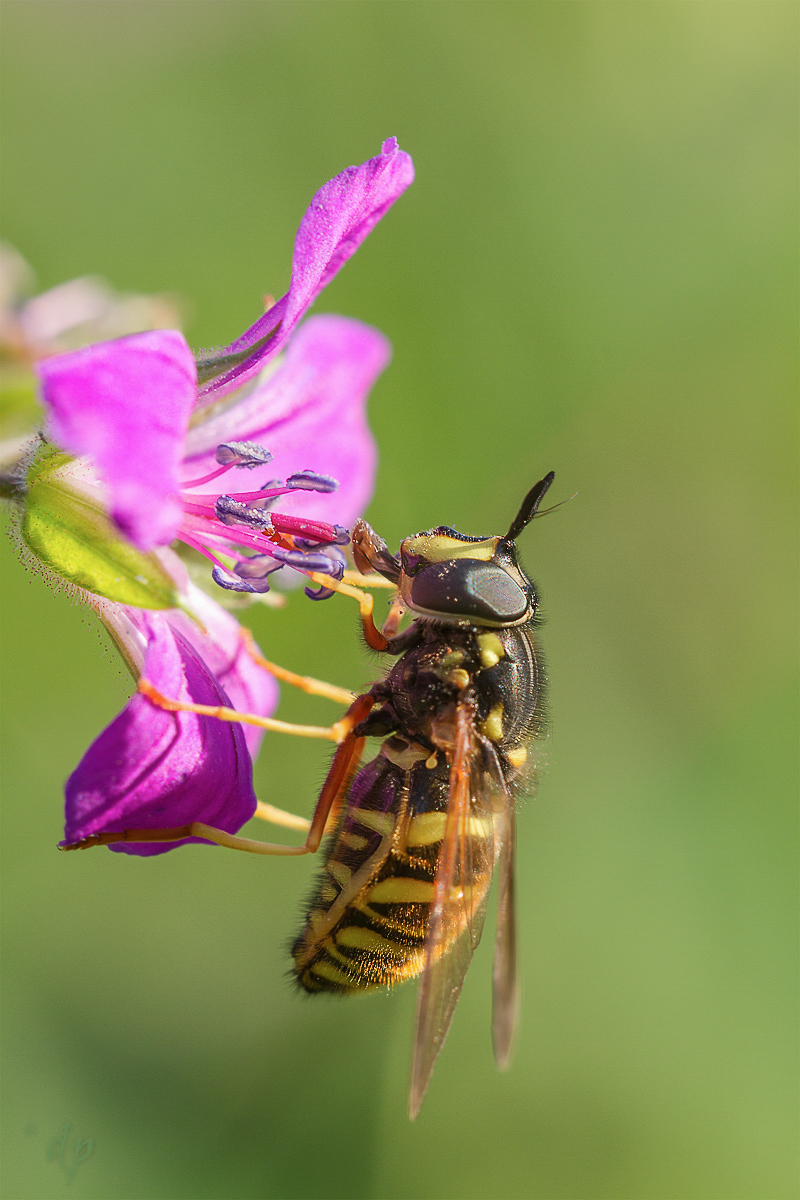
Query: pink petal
(310, 414)
(249, 687)
(126, 404)
(152, 769)
(343, 212)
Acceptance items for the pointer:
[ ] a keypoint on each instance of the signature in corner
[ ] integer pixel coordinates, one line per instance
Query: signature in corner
(70, 1158)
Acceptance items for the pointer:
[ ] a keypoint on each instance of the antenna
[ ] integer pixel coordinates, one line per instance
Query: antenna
(529, 506)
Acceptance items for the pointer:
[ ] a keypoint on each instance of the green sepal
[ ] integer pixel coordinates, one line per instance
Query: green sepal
(76, 539)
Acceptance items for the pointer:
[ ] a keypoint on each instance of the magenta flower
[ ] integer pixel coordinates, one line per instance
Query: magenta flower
(152, 768)
(155, 448)
(127, 406)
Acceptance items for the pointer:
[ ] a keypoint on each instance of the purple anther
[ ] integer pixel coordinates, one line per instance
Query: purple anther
(322, 563)
(341, 538)
(242, 454)
(233, 512)
(258, 566)
(312, 481)
(324, 593)
(231, 585)
(320, 593)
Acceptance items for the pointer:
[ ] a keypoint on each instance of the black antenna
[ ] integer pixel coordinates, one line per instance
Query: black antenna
(529, 506)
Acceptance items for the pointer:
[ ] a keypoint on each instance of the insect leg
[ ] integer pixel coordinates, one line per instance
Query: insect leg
(372, 580)
(331, 733)
(366, 603)
(279, 816)
(193, 829)
(306, 683)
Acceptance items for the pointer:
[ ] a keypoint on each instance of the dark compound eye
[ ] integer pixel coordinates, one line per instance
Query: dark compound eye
(466, 588)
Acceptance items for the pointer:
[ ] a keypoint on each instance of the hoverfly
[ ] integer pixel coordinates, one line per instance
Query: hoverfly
(419, 830)
(407, 872)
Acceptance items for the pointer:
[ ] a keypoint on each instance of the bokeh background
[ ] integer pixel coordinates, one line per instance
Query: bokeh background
(593, 273)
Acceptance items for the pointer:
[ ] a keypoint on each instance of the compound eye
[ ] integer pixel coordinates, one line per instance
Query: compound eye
(466, 588)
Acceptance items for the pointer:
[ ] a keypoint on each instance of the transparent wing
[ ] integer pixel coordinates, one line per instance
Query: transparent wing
(505, 986)
(463, 876)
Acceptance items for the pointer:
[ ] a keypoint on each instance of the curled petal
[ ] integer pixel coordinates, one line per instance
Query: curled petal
(341, 215)
(152, 769)
(310, 412)
(126, 405)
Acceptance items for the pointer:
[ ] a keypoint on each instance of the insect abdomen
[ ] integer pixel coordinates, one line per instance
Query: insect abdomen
(368, 919)
(370, 947)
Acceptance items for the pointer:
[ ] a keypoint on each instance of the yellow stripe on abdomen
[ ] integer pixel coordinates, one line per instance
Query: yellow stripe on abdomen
(359, 937)
(401, 890)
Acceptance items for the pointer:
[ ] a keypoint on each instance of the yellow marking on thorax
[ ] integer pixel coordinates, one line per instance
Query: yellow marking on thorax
(453, 658)
(492, 726)
(517, 757)
(459, 677)
(491, 649)
(401, 891)
(328, 892)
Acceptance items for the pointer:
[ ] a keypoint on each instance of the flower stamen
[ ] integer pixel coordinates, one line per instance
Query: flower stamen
(278, 539)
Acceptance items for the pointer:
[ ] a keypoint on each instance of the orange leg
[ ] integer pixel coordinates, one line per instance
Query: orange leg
(371, 580)
(306, 683)
(279, 816)
(344, 764)
(366, 603)
(331, 733)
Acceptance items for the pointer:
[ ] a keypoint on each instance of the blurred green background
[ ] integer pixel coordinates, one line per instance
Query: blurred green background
(594, 273)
